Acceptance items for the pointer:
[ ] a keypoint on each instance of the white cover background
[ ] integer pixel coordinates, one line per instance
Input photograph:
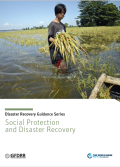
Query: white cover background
(97, 124)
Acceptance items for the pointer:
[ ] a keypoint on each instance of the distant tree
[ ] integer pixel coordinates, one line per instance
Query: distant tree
(71, 26)
(109, 14)
(77, 22)
(90, 12)
(66, 25)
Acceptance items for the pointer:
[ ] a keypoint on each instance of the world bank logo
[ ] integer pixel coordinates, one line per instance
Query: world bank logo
(89, 155)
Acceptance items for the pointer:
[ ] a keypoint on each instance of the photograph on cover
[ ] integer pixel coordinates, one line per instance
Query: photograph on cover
(60, 50)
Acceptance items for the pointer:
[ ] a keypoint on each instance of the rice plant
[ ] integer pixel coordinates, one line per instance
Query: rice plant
(67, 45)
(104, 93)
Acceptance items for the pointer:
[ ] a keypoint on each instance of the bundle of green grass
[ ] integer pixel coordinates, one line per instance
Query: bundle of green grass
(68, 46)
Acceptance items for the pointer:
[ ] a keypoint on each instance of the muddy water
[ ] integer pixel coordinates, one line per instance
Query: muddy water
(26, 73)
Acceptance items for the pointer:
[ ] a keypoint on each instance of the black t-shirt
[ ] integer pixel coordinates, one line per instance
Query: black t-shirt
(54, 29)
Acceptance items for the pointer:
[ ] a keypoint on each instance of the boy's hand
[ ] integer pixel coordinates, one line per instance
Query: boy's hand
(51, 39)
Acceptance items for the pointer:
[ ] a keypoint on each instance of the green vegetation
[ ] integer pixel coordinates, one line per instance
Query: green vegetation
(92, 69)
(66, 25)
(34, 27)
(97, 13)
(96, 39)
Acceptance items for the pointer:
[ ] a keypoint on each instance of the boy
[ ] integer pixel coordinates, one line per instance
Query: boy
(56, 27)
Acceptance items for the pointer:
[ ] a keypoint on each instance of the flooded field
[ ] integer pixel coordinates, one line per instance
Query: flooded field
(26, 70)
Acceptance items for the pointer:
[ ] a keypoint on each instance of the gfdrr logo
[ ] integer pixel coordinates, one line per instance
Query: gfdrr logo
(7, 156)
(19, 156)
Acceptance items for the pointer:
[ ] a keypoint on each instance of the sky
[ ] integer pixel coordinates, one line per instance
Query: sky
(22, 14)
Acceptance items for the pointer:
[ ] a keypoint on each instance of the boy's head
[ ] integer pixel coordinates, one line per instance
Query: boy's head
(60, 10)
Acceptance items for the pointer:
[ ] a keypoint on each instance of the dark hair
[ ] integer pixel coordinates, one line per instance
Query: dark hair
(59, 7)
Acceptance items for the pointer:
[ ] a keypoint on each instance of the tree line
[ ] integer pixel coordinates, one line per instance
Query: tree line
(93, 13)
(42, 27)
(97, 13)
(34, 27)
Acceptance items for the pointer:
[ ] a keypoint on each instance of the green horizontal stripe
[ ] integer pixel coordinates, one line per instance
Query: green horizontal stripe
(18, 108)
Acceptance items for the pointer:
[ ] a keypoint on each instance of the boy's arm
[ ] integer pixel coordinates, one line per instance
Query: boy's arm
(51, 33)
